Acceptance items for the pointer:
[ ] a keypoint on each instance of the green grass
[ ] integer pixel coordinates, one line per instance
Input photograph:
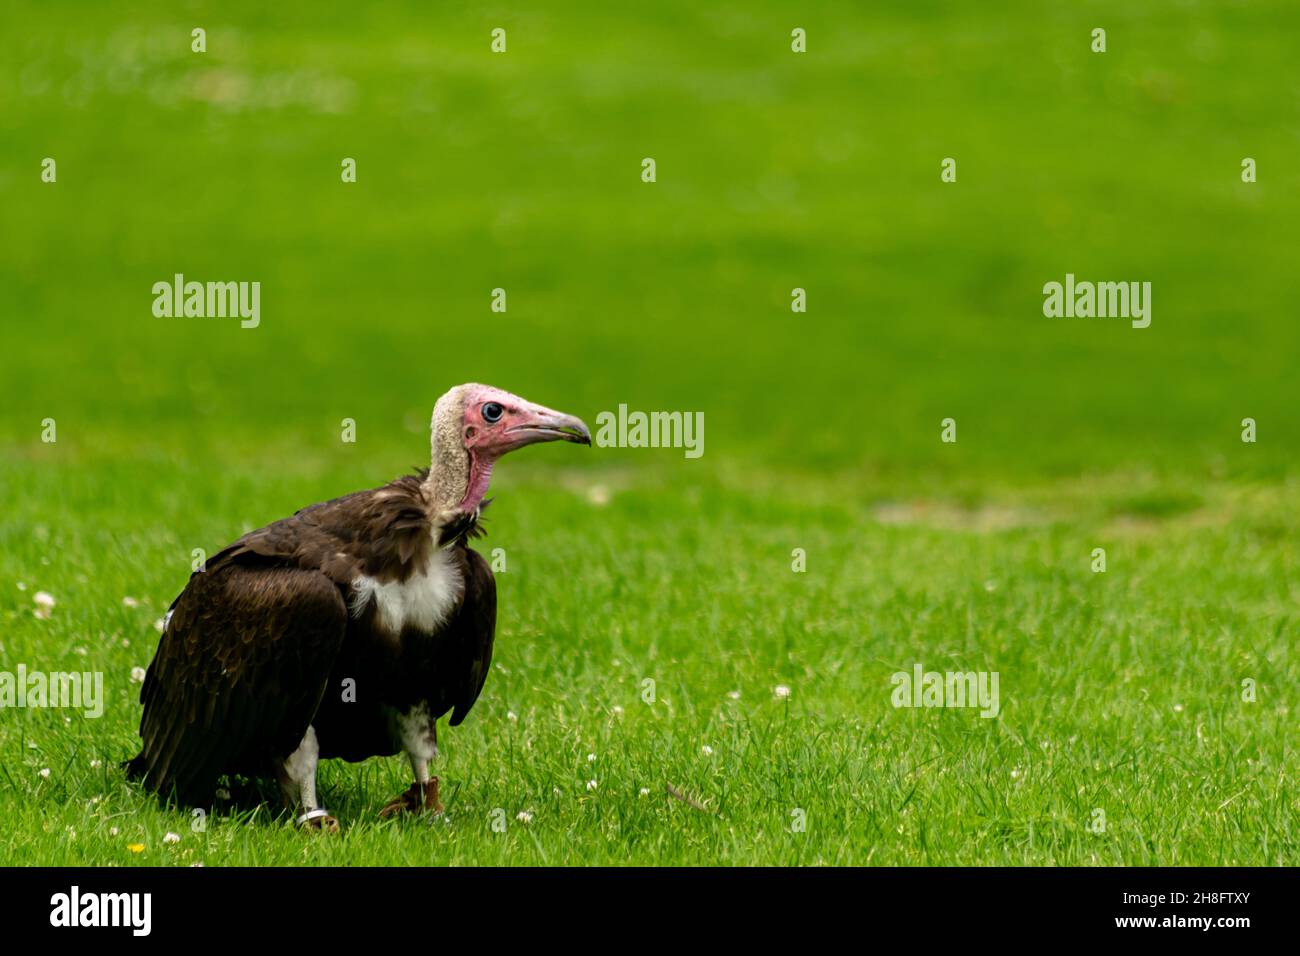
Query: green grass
(1120, 691)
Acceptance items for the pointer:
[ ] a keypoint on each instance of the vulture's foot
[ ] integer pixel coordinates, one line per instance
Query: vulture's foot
(319, 821)
(416, 799)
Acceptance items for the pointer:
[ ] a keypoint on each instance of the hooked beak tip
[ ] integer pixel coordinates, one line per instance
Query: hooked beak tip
(577, 433)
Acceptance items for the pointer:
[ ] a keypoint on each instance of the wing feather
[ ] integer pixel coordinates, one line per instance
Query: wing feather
(471, 644)
(238, 674)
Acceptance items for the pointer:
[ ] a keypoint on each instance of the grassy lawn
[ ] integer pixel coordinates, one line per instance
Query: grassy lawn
(767, 734)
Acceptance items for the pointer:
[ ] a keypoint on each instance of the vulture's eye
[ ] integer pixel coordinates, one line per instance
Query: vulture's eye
(492, 412)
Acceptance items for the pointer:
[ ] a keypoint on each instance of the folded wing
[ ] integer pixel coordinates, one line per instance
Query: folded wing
(239, 673)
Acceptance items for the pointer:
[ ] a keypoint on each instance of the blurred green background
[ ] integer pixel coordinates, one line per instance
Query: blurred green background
(775, 170)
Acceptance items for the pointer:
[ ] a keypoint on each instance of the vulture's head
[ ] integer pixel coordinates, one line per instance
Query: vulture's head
(474, 425)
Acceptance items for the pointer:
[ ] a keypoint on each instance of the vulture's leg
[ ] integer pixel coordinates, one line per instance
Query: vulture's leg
(419, 736)
(298, 785)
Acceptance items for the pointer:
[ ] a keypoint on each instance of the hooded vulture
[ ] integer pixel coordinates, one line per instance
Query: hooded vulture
(345, 631)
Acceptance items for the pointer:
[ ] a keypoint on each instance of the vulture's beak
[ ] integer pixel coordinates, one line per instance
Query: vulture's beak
(539, 424)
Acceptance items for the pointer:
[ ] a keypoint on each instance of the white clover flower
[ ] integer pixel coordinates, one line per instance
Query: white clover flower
(706, 750)
(617, 710)
(130, 602)
(172, 838)
(734, 694)
(645, 791)
(523, 816)
(512, 716)
(44, 773)
(137, 675)
(591, 758)
(113, 831)
(598, 495)
(96, 764)
(781, 692)
(591, 784)
(159, 624)
(43, 607)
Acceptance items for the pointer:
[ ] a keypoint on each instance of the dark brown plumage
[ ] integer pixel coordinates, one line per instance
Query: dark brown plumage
(346, 630)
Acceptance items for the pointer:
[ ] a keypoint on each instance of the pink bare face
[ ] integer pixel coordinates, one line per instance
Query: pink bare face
(497, 422)
(494, 422)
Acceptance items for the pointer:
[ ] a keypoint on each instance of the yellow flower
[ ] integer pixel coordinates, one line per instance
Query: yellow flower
(135, 847)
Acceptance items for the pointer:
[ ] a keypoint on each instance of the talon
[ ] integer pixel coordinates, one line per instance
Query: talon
(431, 801)
(415, 801)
